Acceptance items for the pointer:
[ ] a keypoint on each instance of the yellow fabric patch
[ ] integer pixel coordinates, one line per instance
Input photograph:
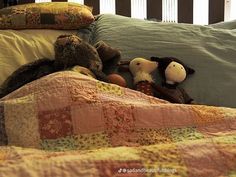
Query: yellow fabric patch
(183, 134)
(91, 141)
(230, 139)
(153, 136)
(110, 88)
(82, 142)
(21, 116)
(165, 159)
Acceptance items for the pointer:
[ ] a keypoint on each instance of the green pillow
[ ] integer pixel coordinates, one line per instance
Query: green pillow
(210, 51)
(230, 25)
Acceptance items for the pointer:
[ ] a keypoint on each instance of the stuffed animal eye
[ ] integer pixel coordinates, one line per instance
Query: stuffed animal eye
(173, 65)
(138, 64)
(182, 68)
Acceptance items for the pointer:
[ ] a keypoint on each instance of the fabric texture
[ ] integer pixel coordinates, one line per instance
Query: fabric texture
(210, 51)
(53, 15)
(85, 127)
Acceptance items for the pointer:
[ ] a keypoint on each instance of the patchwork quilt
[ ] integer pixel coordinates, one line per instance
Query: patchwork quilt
(67, 124)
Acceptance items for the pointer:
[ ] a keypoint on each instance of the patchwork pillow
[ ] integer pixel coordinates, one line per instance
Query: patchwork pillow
(54, 15)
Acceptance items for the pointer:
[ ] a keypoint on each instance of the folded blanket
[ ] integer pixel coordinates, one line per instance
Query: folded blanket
(102, 126)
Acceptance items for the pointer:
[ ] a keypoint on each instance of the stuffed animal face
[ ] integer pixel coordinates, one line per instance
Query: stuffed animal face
(142, 65)
(175, 73)
(172, 70)
(70, 50)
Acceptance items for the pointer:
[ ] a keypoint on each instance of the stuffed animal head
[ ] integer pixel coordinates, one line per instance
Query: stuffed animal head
(141, 69)
(142, 65)
(70, 51)
(172, 69)
(110, 56)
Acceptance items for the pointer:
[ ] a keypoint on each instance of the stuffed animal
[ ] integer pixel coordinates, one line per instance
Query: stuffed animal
(110, 58)
(174, 72)
(70, 51)
(141, 70)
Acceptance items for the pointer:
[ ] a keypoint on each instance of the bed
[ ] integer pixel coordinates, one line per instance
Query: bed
(66, 124)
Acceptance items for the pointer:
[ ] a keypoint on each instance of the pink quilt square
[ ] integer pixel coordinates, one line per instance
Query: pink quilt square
(164, 116)
(148, 117)
(53, 98)
(214, 129)
(87, 118)
(203, 159)
(175, 116)
(55, 123)
(232, 123)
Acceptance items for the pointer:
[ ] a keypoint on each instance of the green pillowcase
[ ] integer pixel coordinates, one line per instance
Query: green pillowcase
(210, 51)
(230, 25)
(54, 15)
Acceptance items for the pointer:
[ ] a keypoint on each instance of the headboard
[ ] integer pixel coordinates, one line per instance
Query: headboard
(154, 8)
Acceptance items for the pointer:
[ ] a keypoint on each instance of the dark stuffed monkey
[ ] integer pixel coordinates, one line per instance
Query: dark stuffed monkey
(70, 51)
(110, 58)
(174, 72)
(101, 58)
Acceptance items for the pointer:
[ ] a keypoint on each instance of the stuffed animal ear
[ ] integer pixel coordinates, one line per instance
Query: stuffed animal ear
(155, 59)
(109, 56)
(123, 66)
(162, 62)
(105, 51)
(190, 70)
(165, 61)
(124, 62)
